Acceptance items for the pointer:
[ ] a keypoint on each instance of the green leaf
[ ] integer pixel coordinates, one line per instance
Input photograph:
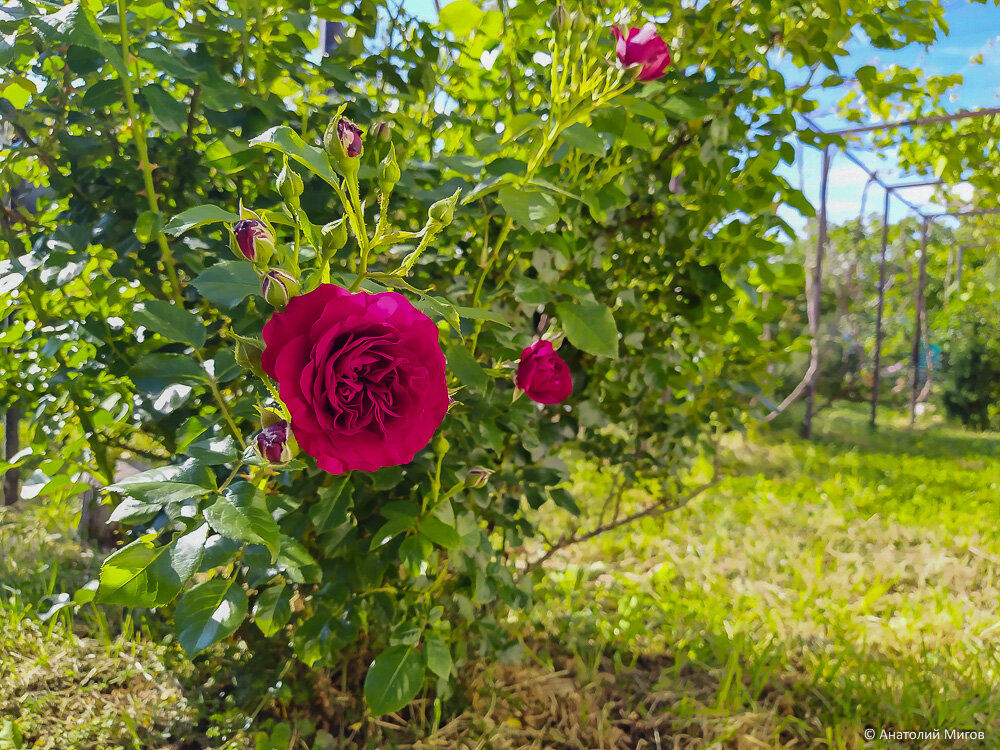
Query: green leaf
(154, 372)
(562, 498)
(208, 613)
(195, 217)
(440, 532)
(461, 17)
(167, 483)
(282, 138)
(131, 512)
(532, 209)
(248, 523)
(73, 25)
(169, 113)
(273, 608)
(590, 327)
(585, 139)
(685, 108)
(389, 529)
(227, 283)
(296, 562)
(170, 321)
(466, 368)
(11, 737)
(333, 506)
(438, 656)
(393, 679)
(143, 575)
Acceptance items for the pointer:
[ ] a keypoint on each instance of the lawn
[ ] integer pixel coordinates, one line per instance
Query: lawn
(821, 590)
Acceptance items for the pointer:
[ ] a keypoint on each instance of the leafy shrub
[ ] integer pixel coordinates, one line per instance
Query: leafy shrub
(529, 186)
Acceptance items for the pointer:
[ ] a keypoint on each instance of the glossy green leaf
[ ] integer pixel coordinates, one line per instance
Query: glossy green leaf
(228, 283)
(533, 209)
(248, 523)
(438, 656)
(145, 575)
(198, 216)
(585, 139)
(394, 679)
(170, 321)
(590, 327)
(208, 613)
(273, 608)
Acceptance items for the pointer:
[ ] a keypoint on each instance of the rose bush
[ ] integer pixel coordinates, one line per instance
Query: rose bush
(523, 191)
(362, 376)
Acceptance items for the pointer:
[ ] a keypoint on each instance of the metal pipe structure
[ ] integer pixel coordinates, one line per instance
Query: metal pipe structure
(881, 309)
(965, 115)
(918, 305)
(814, 307)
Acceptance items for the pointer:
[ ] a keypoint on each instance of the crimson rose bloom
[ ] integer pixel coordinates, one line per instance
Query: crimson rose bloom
(543, 375)
(643, 47)
(362, 375)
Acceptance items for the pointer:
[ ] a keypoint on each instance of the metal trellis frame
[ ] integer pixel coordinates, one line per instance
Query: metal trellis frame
(927, 219)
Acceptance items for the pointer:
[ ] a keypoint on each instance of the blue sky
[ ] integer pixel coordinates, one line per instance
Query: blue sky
(974, 29)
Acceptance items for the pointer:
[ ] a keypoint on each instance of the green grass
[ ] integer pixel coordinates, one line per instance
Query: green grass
(832, 586)
(826, 587)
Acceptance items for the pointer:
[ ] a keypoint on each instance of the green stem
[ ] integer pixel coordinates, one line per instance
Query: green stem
(139, 136)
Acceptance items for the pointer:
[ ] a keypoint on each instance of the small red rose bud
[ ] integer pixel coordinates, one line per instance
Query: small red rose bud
(643, 47)
(543, 375)
(279, 287)
(254, 240)
(382, 131)
(343, 143)
(272, 443)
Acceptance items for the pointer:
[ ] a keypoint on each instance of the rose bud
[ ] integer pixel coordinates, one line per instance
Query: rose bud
(388, 172)
(442, 212)
(642, 47)
(247, 353)
(279, 287)
(382, 131)
(289, 185)
(477, 478)
(254, 241)
(334, 237)
(543, 375)
(343, 143)
(272, 443)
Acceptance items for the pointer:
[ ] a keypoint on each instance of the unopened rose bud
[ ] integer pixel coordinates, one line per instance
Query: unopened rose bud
(382, 131)
(279, 287)
(334, 237)
(388, 172)
(273, 443)
(442, 212)
(254, 241)
(248, 352)
(477, 477)
(560, 17)
(289, 185)
(343, 143)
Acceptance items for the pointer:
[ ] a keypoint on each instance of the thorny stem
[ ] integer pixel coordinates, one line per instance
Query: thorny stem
(139, 136)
